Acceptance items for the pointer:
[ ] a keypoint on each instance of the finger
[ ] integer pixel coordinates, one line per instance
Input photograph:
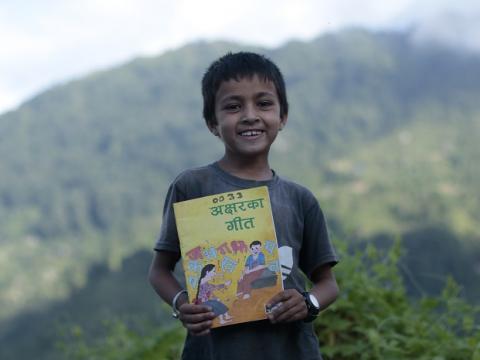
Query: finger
(196, 318)
(297, 312)
(281, 308)
(282, 296)
(293, 298)
(295, 304)
(199, 328)
(287, 297)
(293, 313)
(194, 309)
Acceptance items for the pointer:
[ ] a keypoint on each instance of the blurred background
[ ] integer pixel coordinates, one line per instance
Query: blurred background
(100, 108)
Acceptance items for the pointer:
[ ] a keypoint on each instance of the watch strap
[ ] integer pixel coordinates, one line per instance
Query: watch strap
(313, 310)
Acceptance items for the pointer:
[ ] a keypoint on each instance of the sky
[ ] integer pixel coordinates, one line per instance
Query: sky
(50, 42)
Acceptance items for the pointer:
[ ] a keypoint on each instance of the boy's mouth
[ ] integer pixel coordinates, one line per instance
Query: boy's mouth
(248, 133)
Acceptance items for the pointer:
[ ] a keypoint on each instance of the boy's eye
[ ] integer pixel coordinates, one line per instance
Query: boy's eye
(265, 103)
(231, 107)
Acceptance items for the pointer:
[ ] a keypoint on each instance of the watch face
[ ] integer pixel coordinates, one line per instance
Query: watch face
(314, 301)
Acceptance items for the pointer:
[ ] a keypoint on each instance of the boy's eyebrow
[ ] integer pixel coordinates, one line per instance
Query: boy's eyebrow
(230, 97)
(264, 93)
(239, 97)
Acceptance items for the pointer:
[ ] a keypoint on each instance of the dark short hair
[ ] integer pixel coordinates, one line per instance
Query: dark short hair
(237, 66)
(255, 242)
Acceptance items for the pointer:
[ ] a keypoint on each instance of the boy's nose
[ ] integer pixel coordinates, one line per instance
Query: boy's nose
(250, 119)
(250, 115)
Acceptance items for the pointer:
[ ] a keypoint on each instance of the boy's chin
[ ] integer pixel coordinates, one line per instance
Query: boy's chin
(252, 151)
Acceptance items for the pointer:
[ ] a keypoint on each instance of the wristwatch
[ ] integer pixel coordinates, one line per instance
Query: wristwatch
(313, 307)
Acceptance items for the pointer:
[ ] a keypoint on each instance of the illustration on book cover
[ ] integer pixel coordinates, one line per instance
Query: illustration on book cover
(230, 253)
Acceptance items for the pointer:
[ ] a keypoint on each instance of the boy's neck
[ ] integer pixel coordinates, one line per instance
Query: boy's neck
(246, 169)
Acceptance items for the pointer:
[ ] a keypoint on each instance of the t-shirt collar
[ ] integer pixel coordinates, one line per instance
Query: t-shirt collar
(244, 183)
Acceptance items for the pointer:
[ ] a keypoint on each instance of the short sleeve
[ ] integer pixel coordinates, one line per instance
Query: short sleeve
(317, 249)
(261, 259)
(248, 263)
(168, 238)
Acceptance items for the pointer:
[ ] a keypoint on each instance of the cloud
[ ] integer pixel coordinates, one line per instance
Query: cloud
(51, 41)
(65, 39)
(453, 29)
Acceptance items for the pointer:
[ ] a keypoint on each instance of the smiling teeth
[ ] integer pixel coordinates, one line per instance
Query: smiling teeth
(251, 133)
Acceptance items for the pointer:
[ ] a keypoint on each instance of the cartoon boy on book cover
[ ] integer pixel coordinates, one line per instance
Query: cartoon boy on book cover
(254, 268)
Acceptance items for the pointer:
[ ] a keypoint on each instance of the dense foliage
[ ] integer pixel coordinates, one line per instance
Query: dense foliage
(123, 344)
(372, 319)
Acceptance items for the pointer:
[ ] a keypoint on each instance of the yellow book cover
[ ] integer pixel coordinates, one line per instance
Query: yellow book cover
(230, 253)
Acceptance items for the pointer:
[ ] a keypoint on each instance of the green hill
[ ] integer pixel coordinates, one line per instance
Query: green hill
(109, 297)
(383, 131)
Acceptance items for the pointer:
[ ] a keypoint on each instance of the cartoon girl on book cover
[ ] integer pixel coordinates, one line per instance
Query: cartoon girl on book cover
(205, 294)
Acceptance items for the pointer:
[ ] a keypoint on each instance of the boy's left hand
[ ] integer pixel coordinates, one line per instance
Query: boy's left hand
(291, 307)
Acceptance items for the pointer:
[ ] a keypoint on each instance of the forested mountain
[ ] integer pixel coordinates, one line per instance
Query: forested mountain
(382, 130)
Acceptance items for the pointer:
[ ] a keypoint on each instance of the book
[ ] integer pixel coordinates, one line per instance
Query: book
(230, 253)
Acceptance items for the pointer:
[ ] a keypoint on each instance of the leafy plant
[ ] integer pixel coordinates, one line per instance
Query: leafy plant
(121, 343)
(374, 318)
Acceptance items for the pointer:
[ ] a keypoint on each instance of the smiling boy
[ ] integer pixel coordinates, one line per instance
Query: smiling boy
(245, 106)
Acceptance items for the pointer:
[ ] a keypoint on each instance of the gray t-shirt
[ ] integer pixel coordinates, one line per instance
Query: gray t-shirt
(303, 244)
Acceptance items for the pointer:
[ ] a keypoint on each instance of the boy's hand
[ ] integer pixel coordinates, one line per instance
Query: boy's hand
(197, 319)
(290, 307)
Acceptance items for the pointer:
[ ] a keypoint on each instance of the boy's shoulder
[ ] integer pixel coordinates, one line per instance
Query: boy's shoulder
(195, 174)
(297, 190)
(196, 181)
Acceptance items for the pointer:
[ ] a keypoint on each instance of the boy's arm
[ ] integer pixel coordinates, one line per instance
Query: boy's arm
(325, 287)
(293, 306)
(196, 318)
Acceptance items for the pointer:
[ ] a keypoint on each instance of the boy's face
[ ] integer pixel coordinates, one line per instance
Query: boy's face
(256, 249)
(248, 116)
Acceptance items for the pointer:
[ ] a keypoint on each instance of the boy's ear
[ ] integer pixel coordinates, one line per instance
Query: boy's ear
(213, 128)
(283, 122)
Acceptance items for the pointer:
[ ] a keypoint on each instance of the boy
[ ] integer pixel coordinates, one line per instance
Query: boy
(245, 106)
(254, 267)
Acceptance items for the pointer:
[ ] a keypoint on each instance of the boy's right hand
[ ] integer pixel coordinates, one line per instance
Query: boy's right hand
(197, 319)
